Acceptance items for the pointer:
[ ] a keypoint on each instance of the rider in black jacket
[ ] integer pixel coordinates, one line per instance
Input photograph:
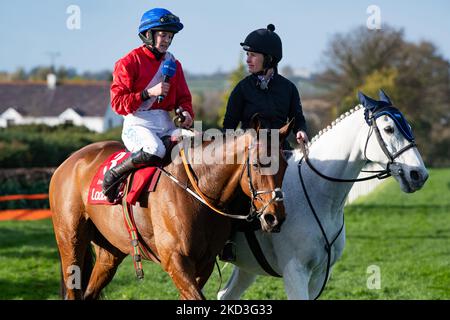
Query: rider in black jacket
(267, 93)
(264, 91)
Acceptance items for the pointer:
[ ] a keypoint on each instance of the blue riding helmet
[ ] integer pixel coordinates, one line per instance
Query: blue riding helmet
(160, 19)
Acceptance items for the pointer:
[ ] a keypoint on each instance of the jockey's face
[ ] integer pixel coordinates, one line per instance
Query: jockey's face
(162, 40)
(255, 61)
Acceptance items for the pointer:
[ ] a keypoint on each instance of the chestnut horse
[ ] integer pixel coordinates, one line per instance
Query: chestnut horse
(183, 233)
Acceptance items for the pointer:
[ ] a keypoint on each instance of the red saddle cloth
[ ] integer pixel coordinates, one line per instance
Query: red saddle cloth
(143, 179)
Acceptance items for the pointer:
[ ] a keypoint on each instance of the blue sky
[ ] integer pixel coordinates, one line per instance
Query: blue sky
(213, 29)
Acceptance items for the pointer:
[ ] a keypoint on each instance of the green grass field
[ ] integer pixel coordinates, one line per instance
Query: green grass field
(406, 236)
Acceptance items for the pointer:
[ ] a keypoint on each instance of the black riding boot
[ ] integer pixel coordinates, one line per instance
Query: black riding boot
(116, 174)
(228, 253)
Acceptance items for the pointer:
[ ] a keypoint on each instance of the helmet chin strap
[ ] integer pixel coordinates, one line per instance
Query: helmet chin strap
(264, 71)
(267, 65)
(149, 43)
(267, 62)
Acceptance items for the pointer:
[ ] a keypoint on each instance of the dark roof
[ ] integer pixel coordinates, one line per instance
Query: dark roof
(37, 100)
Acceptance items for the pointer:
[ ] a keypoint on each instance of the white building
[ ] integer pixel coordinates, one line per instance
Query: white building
(85, 104)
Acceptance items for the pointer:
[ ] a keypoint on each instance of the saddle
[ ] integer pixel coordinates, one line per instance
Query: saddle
(140, 181)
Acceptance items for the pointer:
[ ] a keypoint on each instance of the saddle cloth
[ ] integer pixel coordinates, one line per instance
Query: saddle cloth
(144, 179)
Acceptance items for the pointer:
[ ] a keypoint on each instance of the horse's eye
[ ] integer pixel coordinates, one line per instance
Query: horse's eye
(262, 165)
(389, 130)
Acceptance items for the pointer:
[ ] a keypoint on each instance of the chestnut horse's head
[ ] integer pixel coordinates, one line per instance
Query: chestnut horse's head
(263, 174)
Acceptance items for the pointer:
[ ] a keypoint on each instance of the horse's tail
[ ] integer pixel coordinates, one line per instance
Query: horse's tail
(62, 285)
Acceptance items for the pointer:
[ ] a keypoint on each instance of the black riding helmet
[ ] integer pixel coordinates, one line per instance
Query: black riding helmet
(267, 42)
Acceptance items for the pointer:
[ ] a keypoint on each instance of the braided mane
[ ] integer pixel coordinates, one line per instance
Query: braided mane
(334, 124)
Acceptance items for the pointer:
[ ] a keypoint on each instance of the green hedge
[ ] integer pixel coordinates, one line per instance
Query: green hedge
(24, 185)
(43, 146)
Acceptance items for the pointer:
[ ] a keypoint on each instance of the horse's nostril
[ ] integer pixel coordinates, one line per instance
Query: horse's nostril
(269, 219)
(414, 175)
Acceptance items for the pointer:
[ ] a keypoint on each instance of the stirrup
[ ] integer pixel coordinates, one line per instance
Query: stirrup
(112, 191)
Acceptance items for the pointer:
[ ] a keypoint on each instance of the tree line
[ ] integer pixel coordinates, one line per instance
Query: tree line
(415, 75)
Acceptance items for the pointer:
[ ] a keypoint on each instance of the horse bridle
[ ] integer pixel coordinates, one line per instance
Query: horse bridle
(277, 194)
(380, 174)
(373, 127)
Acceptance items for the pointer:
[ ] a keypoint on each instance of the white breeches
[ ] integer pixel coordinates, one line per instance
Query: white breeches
(146, 132)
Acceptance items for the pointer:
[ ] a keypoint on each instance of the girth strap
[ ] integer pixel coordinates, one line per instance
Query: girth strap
(139, 249)
(259, 254)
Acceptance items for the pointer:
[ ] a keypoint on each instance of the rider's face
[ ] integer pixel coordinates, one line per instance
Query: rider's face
(255, 62)
(162, 40)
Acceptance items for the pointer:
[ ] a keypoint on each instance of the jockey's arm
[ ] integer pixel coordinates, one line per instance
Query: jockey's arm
(184, 97)
(124, 100)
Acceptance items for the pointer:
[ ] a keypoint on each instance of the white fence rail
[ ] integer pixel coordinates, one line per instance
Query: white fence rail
(363, 188)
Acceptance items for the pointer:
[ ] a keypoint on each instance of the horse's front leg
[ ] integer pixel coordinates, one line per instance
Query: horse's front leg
(239, 281)
(296, 280)
(182, 270)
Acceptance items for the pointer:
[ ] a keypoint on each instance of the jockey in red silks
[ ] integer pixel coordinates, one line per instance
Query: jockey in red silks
(138, 81)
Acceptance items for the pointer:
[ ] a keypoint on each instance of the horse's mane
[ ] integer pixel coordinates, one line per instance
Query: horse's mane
(235, 134)
(298, 153)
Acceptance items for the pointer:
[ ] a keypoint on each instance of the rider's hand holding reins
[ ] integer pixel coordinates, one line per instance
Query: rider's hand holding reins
(302, 137)
(187, 123)
(183, 118)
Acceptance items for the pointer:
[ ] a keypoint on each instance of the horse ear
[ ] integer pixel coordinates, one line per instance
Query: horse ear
(366, 101)
(284, 131)
(384, 97)
(255, 122)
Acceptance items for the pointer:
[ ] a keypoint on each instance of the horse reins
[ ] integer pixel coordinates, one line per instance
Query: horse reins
(200, 195)
(328, 244)
(382, 174)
